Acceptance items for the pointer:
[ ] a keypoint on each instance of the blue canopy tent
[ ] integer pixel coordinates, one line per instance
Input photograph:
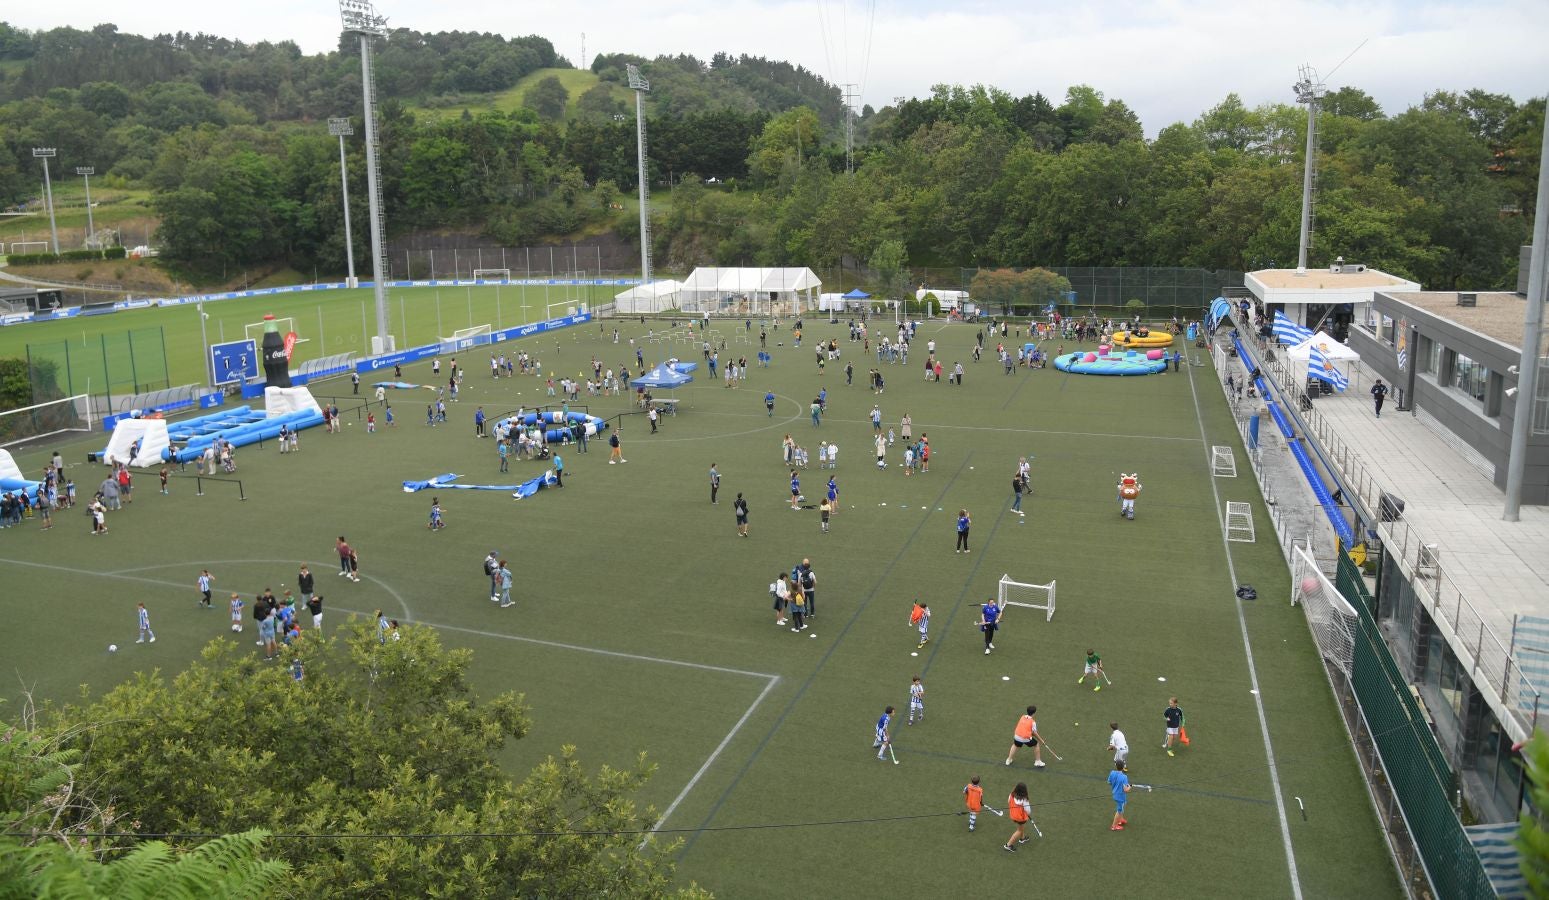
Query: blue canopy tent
(856, 294)
(663, 377)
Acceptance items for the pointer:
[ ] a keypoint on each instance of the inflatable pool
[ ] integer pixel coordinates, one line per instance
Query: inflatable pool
(1130, 362)
(558, 435)
(1145, 339)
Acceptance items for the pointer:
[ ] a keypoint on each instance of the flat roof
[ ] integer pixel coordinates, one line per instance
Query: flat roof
(1496, 314)
(1323, 279)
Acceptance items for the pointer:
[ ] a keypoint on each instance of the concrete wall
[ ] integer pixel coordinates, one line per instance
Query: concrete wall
(1524, 266)
(1490, 436)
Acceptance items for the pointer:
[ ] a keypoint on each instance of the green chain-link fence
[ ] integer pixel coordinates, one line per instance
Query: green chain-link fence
(121, 364)
(1418, 778)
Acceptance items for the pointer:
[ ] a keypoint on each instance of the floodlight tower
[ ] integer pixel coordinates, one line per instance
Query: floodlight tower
(342, 129)
(91, 229)
(45, 153)
(640, 86)
(360, 18)
(1309, 90)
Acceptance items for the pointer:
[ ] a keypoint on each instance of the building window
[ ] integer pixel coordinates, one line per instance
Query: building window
(1540, 419)
(1470, 378)
(1429, 356)
(1386, 333)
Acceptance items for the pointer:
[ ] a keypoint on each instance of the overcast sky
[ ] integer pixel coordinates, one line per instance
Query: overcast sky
(1168, 60)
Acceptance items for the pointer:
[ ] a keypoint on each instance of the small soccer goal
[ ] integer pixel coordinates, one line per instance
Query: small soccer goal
(463, 338)
(1031, 596)
(498, 275)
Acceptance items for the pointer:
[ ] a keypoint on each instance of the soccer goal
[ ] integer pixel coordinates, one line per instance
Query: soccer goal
(1332, 619)
(463, 338)
(44, 419)
(1032, 596)
(500, 275)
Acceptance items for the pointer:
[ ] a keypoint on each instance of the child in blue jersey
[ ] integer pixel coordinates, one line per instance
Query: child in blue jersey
(145, 626)
(833, 493)
(435, 523)
(916, 699)
(884, 738)
(1119, 783)
(795, 490)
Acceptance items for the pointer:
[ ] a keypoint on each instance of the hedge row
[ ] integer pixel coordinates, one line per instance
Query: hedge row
(25, 259)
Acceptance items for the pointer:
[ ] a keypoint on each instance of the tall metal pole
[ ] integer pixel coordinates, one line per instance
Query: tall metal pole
(1309, 90)
(91, 229)
(639, 85)
(343, 129)
(373, 194)
(44, 153)
(1532, 343)
(360, 18)
(204, 338)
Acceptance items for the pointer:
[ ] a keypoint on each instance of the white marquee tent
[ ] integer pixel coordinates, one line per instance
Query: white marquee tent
(649, 298)
(750, 291)
(1331, 348)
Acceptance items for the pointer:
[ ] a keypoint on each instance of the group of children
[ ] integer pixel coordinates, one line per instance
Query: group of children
(1026, 735)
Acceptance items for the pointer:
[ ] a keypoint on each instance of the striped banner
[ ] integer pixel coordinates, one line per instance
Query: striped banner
(1401, 343)
(1288, 332)
(1500, 857)
(1319, 366)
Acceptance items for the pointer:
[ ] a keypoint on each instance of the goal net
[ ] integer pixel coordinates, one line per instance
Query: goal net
(463, 338)
(44, 419)
(491, 274)
(1331, 618)
(1031, 596)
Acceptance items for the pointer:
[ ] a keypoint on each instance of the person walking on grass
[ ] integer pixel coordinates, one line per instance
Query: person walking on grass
(616, 449)
(504, 574)
(922, 622)
(798, 605)
(989, 620)
(1118, 782)
(973, 798)
(204, 581)
(795, 490)
(963, 524)
(145, 625)
(1020, 809)
(715, 482)
(1026, 735)
(740, 507)
(236, 612)
(343, 548)
(883, 742)
(315, 607)
(769, 403)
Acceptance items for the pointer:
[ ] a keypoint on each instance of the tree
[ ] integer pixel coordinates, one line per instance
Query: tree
(598, 102)
(889, 262)
(1533, 831)
(1351, 102)
(786, 140)
(548, 98)
(47, 813)
(381, 738)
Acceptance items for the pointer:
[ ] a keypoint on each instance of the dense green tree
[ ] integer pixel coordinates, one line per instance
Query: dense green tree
(381, 738)
(547, 98)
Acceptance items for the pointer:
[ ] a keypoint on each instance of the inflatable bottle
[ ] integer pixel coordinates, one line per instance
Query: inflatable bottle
(276, 360)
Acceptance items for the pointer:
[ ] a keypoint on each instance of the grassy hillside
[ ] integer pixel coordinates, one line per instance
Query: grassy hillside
(576, 81)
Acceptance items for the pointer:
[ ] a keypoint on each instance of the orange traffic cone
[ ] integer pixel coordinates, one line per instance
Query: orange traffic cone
(1183, 735)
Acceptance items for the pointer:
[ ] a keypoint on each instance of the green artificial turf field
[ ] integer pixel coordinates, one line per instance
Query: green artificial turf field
(344, 321)
(643, 622)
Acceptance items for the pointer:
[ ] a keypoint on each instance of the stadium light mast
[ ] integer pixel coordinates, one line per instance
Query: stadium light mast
(46, 153)
(342, 129)
(360, 19)
(640, 86)
(91, 229)
(1309, 90)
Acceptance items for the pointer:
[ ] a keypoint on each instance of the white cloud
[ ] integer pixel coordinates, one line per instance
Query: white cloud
(1168, 59)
